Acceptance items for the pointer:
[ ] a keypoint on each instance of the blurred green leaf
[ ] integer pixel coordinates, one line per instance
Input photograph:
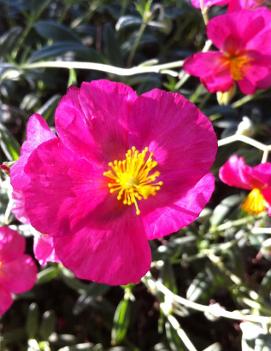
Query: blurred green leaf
(224, 208)
(55, 31)
(112, 48)
(121, 321)
(174, 340)
(32, 322)
(9, 144)
(48, 324)
(48, 274)
(60, 48)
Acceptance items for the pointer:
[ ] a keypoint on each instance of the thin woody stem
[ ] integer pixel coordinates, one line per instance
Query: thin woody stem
(141, 69)
(265, 148)
(204, 12)
(215, 310)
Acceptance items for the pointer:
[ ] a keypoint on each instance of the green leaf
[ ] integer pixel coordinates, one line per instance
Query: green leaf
(128, 21)
(8, 40)
(224, 208)
(168, 277)
(48, 324)
(9, 144)
(55, 31)
(112, 47)
(61, 47)
(174, 340)
(32, 321)
(121, 321)
(48, 274)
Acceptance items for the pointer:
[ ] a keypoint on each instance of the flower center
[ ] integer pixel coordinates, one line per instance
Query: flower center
(133, 178)
(236, 64)
(254, 203)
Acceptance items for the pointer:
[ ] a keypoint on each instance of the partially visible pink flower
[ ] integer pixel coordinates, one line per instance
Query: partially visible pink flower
(44, 249)
(209, 3)
(257, 180)
(244, 57)
(235, 5)
(123, 169)
(18, 272)
(37, 133)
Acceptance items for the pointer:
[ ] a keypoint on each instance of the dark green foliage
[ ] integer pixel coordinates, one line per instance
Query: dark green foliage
(215, 260)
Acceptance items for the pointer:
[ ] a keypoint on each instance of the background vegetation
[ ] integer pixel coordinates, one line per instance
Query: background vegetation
(221, 260)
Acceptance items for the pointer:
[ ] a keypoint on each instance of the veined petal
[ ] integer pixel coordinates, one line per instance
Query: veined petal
(181, 139)
(37, 132)
(19, 275)
(5, 300)
(166, 220)
(211, 70)
(92, 120)
(44, 249)
(117, 255)
(12, 244)
(235, 172)
(63, 188)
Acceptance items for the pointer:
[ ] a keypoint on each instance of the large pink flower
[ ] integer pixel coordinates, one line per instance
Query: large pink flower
(244, 40)
(123, 169)
(37, 132)
(237, 173)
(18, 272)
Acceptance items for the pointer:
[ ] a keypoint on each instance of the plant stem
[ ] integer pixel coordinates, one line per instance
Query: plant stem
(102, 67)
(215, 310)
(136, 43)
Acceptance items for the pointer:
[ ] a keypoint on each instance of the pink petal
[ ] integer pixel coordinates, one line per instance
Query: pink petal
(37, 133)
(166, 220)
(63, 188)
(261, 41)
(92, 120)
(44, 249)
(209, 3)
(5, 300)
(182, 140)
(116, 255)
(19, 275)
(211, 70)
(237, 28)
(267, 195)
(254, 76)
(235, 5)
(235, 172)
(12, 244)
(262, 173)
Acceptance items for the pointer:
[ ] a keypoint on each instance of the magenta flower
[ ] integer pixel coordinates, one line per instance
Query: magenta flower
(123, 169)
(37, 133)
(237, 173)
(244, 40)
(18, 272)
(209, 3)
(235, 5)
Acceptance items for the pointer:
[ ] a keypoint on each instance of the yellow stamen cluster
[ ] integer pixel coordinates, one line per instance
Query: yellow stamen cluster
(236, 64)
(254, 203)
(133, 178)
